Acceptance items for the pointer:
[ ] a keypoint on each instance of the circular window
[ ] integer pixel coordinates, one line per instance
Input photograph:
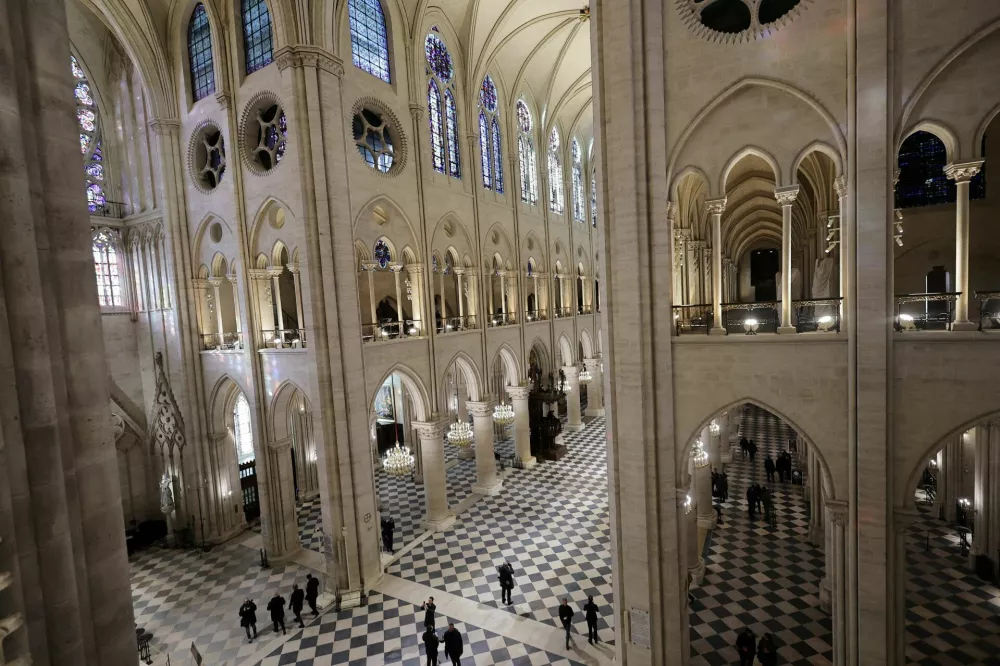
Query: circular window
(215, 232)
(207, 156)
(265, 133)
(737, 20)
(376, 137)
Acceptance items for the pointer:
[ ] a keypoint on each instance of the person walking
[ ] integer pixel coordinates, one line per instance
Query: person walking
(248, 618)
(782, 467)
(746, 646)
(767, 653)
(453, 644)
(506, 574)
(752, 448)
(724, 487)
(388, 528)
(768, 506)
(744, 446)
(566, 617)
(428, 607)
(277, 607)
(296, 602)
(751, 499)
(758, 496)
(590, 610)
(312, 592)
(769, 468)
(431, 642)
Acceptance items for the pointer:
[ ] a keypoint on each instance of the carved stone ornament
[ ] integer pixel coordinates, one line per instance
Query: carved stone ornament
(166, 494)
(786, 195)
(716, 206)
(961, 173)
(166, 425)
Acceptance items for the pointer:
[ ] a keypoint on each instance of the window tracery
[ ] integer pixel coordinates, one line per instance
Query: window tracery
(922, 181)
(373, 140)
(593, 198)
(242, 430)
(579, 205)
(489, 137)
(369, 38)
(527, 161)
(106, 246)
(258, 44)
(441, 109)
(200, 54)
(90, 139)
(737, 20)
(556, 196)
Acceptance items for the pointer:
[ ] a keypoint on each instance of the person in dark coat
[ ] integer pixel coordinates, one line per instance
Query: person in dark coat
(724, 487)
(758, 497)
(746, 646)
(767, 653)
(752, 448)
(765, 496)
(248, 618)
(388, 528)
(296, 603)
(744, 446)
(453, 644)
(781, 467)
(431, 642)
(590, 610)
(566, 617)
(715, 482)
(506, 573)
(277, 607)
(751, 499)
(769, 468)
(428, 607)
(312, 592)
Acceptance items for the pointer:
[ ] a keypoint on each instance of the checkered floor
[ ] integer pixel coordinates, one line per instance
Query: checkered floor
(952, 617)
(550, 522)
(184, 597)
(388, 631)
(761, 576)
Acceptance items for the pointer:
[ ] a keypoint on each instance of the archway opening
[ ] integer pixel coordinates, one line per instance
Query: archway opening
(246, 459)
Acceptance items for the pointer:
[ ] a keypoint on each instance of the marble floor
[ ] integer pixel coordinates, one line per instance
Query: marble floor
(761, 576)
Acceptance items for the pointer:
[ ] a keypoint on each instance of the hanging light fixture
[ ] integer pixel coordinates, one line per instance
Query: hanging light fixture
(699, 455)
(398, 461)
(688, 504)
(503, 415)
(585, 375)
(460, 434)
(714, 428)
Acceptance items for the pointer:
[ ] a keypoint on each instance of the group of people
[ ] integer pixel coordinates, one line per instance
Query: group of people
(720, 485)
(759, 496)
(452, 637)
(748, 647)
(783, 466)
(748, 447)
(276, 606)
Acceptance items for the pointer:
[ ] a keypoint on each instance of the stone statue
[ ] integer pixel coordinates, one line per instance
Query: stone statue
(822, 286)
(166, 494)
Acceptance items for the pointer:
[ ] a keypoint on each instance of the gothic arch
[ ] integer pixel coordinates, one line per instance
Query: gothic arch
(747, 151)
(509, 360)
(411, 380)
(288, 397)
(588, 343)
(938, 129)
(473, 378)
(542, 352)
(566, 355)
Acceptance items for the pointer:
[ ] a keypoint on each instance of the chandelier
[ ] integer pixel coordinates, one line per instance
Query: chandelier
(398, 461)
(699, 455)
(688, 504)
(714, 429)
(460, 434)
(503, 415)
(585, 375)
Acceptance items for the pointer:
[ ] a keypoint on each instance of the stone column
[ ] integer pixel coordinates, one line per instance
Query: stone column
(534, 285)
(950, 479)
(573, 422)
(395, 269)
(416, 291)
(838, 514)
(283, 519)
(703, 494)
(786, 197)
(503, 295)
(236, 310)
(980, 496)
(438, 517)
(220, 329)
(826, 585)
(715, 210)
(695, 563)
(487, 481)
(714, 443)
(522, 434)
(840, 186)
(726, 445)
(275, 274)
(369, 268)
(595, 389)
(814, 482)
(444, 310)
(299, 312)
(459, 272)
(962, 174)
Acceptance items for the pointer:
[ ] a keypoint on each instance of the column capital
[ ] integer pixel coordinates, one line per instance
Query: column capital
(518, 392)
(416, 110)
(481, 409)
(838, 511)
(840, 186)
(415, 269)
(963, 172)
(280, 446)
(716, 206)
(201, 283)
(592, 363)
(165, 126)
(293, 268)
(258, 274)
(459, 271)
(671, 212)
(572, 372)
(395, 268)
(431, 430)
(369, 265)
(696, 244)
(306, 55)
(787, 194)
(682, 234)
(215, 281)
(275, 272)
(233, 279)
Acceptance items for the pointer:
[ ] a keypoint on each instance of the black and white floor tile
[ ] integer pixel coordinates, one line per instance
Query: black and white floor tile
(388, 631)
(952, 617)
(550, 522)
(761, 576)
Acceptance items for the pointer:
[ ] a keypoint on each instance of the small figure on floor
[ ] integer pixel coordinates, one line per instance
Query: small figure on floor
(751, 500)
(428, 608)
(718, 513)
(769, 468)
(752, 449)
(312, 592)
(453, 644)
(277, 607)
(724, 487)
(744, 446)
(767, 652)
(248, 618)
(746, 645)
(768, 506)
(506, 574)
(431, 642)
(758, 496)
(566, 617)
(296, 602)
(590, 610)
(388, 527)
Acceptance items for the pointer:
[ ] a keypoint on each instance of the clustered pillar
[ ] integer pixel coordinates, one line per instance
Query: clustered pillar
(487, 481)
(522, 433)
(962, 174)
(438, 516)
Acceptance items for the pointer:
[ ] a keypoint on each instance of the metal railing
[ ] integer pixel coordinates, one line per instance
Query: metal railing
(584, 310)
(750, 318)
(222, 341)
(455, 324)
(692, 319)
(925, 312)
(818, 314)
(559, 313)
(989, 310)
(502, 319)
(391, 330)
(537, 315)
(283, 338)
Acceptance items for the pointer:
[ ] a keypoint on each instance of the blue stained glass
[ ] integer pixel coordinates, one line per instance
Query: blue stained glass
(593, 199)
(258, 43)
(556, 197)
(488, 95)
(438, 58)
(437, 132)
(497, 158)
(529, 172)
(523, 116)
(451, 119)
(484, 149)
(579, 207)
(382, 254)
(369, 38)
(200, 54)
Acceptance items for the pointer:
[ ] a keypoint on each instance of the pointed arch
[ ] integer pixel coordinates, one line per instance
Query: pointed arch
(411, 380)
(369, 38)
(744, 152)
(201, 63)
(288, 397)
(566, 349)
(258, 35)
(473, 378)
(588, 343)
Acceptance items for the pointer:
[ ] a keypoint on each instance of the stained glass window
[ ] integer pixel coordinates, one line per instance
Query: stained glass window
(90, 138)
(369, 39)
(556, 196)
(579, 203)
(488, 95)
(523, 116)
(593, 198)
(258, 44)
(497, 158)
(922, 181)
(437, 133)
(484, 149)
(438, 58)
(451, 119)
(109, 290)
(243, 430)
(526, 155)
(200, 54)
(373, 140)
(382, 253)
